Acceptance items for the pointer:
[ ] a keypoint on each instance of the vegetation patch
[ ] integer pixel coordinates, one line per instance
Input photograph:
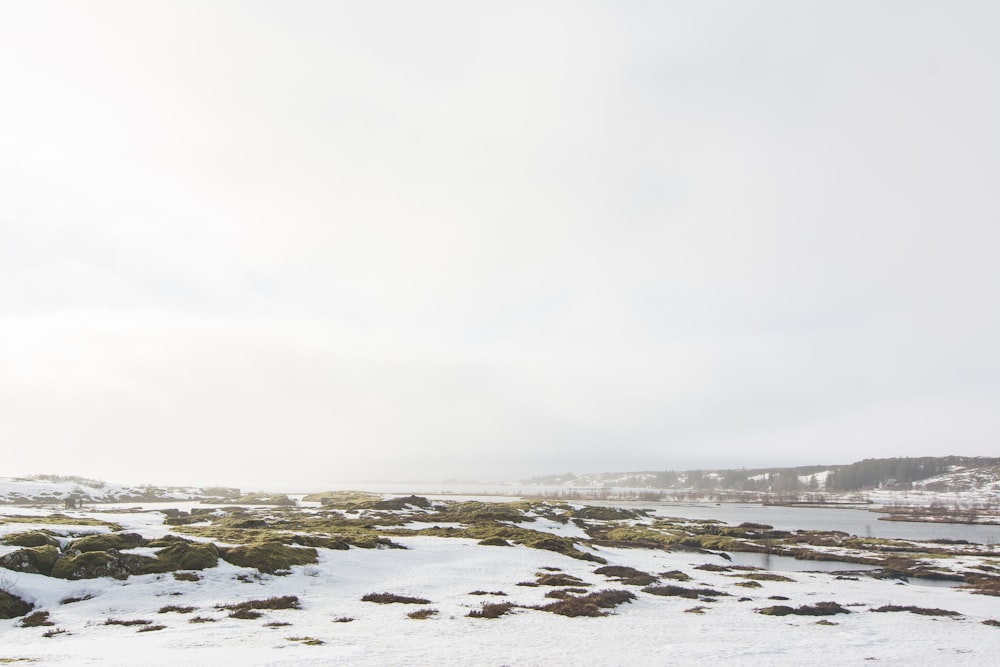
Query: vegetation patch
(31, 560)
(282, 602)
(763, 576)
(202, 619)
(95, 564)
(676, 575)
(589, 605)
(495, 542)
(118, 621)
(818, 609)
(712, 567)
(695, 610)
(923, 611)
(627, 575)
(390, 598)
(151, 628)
(487, 593)
(77, 598)
(559, 579)
(748, 584)
(35, 620)
(187, 576)
(269, 557)
(990, 621)
(491, 610)
(307, 641)
(54, 632)
(12, 606)
(276, 624)
(175, 608)
(107, 542)
(604, 514)
(245, 614)
(563, 593)
(422, 614)
(180, 554)
(31, 538)
(680, 591)
(343, 619)
(343, 499)
(62, 520)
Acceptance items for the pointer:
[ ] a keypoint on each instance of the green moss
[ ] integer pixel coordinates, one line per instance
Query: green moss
(31, 538)
(269, 557)
(89, 565)
(62, 520)
(106, 542)
(184, 556)
(12, 606)
(34, 560)
(495, 542)
(604, 513)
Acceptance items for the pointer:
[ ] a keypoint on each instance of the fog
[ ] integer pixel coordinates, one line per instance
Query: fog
(277, 244)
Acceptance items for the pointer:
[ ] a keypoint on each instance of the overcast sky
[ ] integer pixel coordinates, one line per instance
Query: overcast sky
(280, 243)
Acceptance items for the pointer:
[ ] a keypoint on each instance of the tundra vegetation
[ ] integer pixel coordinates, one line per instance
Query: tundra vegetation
(262, 541)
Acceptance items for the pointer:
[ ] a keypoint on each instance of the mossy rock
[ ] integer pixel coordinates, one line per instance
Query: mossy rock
(495, 542)
(106, 542)
(604, 513)
(12, 606)
(269, 557)
(335, 543)
(182, 555)
(96, 564)
(32, 560)
(31, 538)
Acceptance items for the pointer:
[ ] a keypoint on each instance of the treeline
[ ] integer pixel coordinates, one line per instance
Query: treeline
(899, 472)
(866, 474)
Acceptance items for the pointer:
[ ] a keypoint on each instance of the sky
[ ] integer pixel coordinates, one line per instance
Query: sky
(279, 243)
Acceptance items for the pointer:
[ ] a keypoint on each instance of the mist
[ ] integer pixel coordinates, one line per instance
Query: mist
(280, 244)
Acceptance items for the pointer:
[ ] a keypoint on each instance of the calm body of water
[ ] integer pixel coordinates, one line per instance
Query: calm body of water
(853, 521)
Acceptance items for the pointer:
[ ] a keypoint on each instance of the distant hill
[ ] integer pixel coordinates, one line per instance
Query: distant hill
(942, 473)
(58, 488)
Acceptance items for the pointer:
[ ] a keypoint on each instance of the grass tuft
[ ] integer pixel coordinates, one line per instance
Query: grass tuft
(389, 598)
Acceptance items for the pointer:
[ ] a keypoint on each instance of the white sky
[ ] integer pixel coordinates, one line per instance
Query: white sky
(274, 242)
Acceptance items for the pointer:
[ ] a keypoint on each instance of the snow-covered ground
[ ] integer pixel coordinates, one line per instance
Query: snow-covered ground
(650, 630)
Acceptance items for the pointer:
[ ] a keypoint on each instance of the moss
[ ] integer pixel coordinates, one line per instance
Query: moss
(106, 542)
(184, 556)
(632, 536)
(31, 538)
(269, 557)
(495, 542)
(94, 564)
(33, 560)
(604, 513)
(62, 520)
(12, 606)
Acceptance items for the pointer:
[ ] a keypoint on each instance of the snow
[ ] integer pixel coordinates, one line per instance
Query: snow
(649, 631)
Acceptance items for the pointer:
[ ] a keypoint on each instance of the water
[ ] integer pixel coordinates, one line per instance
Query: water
(853, 521)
